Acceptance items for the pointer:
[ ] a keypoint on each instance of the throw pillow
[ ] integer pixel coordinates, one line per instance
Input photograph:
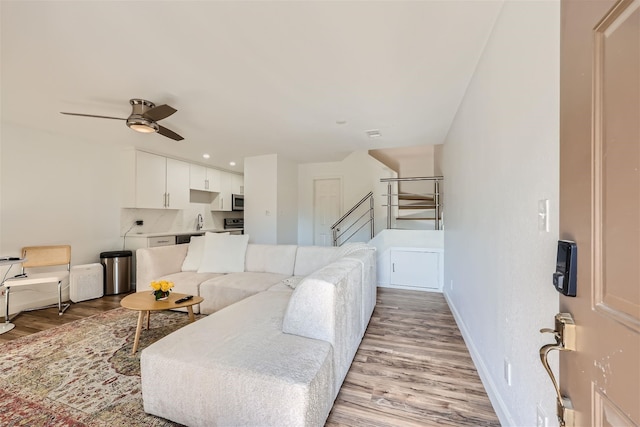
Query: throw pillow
(194, 254)
(293, 281)
(224, 253)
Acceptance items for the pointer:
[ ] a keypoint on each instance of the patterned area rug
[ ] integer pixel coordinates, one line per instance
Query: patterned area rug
(81, 373)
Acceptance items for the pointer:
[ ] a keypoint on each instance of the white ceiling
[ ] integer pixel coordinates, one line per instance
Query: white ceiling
(247, 77)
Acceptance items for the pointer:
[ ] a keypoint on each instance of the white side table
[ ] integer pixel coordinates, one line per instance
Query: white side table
(7, 325)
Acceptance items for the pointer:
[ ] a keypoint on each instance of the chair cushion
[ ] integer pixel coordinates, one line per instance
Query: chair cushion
(37, 278)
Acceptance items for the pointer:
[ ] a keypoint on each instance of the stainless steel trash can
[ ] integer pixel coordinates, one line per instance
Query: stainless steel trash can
(117, 271)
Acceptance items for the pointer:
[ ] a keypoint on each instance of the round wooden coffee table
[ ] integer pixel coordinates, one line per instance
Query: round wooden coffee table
(145, 303)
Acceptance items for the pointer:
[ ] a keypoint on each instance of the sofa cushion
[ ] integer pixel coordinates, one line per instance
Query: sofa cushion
(188, 282)
(236, 367)
(224, 253)
(152, 263)
(271, 258)
(194, 254)
(223, 291)
(312, 258)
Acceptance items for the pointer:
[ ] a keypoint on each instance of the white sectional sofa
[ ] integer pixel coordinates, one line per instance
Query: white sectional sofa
(277, 343)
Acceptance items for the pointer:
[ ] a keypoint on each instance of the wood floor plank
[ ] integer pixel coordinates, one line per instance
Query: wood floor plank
(412, 368)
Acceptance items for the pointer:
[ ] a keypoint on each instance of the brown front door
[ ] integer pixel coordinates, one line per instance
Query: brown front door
(600, 207)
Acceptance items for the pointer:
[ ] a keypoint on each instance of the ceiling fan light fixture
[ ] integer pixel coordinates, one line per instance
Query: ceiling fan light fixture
(140, 124)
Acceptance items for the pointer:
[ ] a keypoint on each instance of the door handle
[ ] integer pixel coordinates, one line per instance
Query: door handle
(565, 337)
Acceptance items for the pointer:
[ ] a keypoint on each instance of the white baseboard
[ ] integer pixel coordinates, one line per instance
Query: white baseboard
(502, 411)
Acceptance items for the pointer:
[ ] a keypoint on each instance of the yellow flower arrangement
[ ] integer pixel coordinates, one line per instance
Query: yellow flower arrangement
(161, 288)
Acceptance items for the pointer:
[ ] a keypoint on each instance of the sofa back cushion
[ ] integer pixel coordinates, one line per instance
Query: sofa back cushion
(312, 258)
(224, 253)
(278, 259)
(194, 254)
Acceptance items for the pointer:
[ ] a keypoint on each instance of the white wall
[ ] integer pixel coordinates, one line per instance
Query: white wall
(56, 190)
(287, 201)
(360, 174)
(500, 157)
(271, 192)
(261, 198)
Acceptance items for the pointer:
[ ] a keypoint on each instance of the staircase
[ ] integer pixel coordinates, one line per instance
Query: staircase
(414, 210)
(408, 211)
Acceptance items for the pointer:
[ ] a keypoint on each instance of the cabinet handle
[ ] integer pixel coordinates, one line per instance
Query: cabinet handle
(164, 200)
(206, 184)
(393, 267)
(168, 199)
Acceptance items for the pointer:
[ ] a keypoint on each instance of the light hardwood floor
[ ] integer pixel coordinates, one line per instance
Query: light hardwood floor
(412, 367)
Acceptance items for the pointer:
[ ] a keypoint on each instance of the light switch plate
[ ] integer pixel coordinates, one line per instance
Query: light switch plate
(543, 215)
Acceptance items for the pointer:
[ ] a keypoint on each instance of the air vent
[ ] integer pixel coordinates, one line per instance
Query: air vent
(373, 133)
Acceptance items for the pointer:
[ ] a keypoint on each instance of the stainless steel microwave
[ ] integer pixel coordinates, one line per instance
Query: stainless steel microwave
(237, 202)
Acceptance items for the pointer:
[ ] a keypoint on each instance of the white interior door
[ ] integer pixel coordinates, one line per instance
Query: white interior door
(327, 201)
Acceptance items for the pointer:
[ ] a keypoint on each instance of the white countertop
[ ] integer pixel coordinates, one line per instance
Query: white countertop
(183, 233)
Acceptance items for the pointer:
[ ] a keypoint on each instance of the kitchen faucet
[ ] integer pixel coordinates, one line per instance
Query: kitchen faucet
(199, 222)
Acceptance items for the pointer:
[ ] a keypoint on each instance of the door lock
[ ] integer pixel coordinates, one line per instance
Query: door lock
(565, 336)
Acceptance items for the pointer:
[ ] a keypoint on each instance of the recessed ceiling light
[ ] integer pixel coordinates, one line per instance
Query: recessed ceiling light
(205, 156)
(373, 133)
(232, 163)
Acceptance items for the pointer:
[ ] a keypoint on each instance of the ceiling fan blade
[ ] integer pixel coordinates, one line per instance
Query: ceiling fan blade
(169, 133)
(92, 115)
(160, 112)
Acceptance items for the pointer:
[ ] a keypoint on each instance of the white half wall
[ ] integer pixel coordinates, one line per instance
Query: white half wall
(500, 158)
(360, 173)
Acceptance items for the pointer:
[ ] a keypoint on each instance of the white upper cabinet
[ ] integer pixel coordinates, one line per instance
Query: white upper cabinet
(152, 181)
(213, 180)
(203, 178)
(198, 177)
(222, 202)
(237, 184)
(155, 182)
(177, 184)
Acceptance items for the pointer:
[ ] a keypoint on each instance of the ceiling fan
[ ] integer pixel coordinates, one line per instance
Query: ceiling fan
(143, 118)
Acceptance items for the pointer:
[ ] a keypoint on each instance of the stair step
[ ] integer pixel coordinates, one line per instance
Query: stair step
(416, 207)
(414, 218)
(414, 197)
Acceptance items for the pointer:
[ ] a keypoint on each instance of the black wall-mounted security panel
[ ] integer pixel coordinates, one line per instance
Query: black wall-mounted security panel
(564, 279)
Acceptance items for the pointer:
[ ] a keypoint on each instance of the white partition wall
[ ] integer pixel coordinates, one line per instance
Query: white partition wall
(501, 158)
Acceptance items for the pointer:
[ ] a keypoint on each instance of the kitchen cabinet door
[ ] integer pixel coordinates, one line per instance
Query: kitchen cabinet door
(177, 184)
(150, 179)
(237, 186)
(197, 177)
(204, 179)
(222, 202)
(213, 180)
